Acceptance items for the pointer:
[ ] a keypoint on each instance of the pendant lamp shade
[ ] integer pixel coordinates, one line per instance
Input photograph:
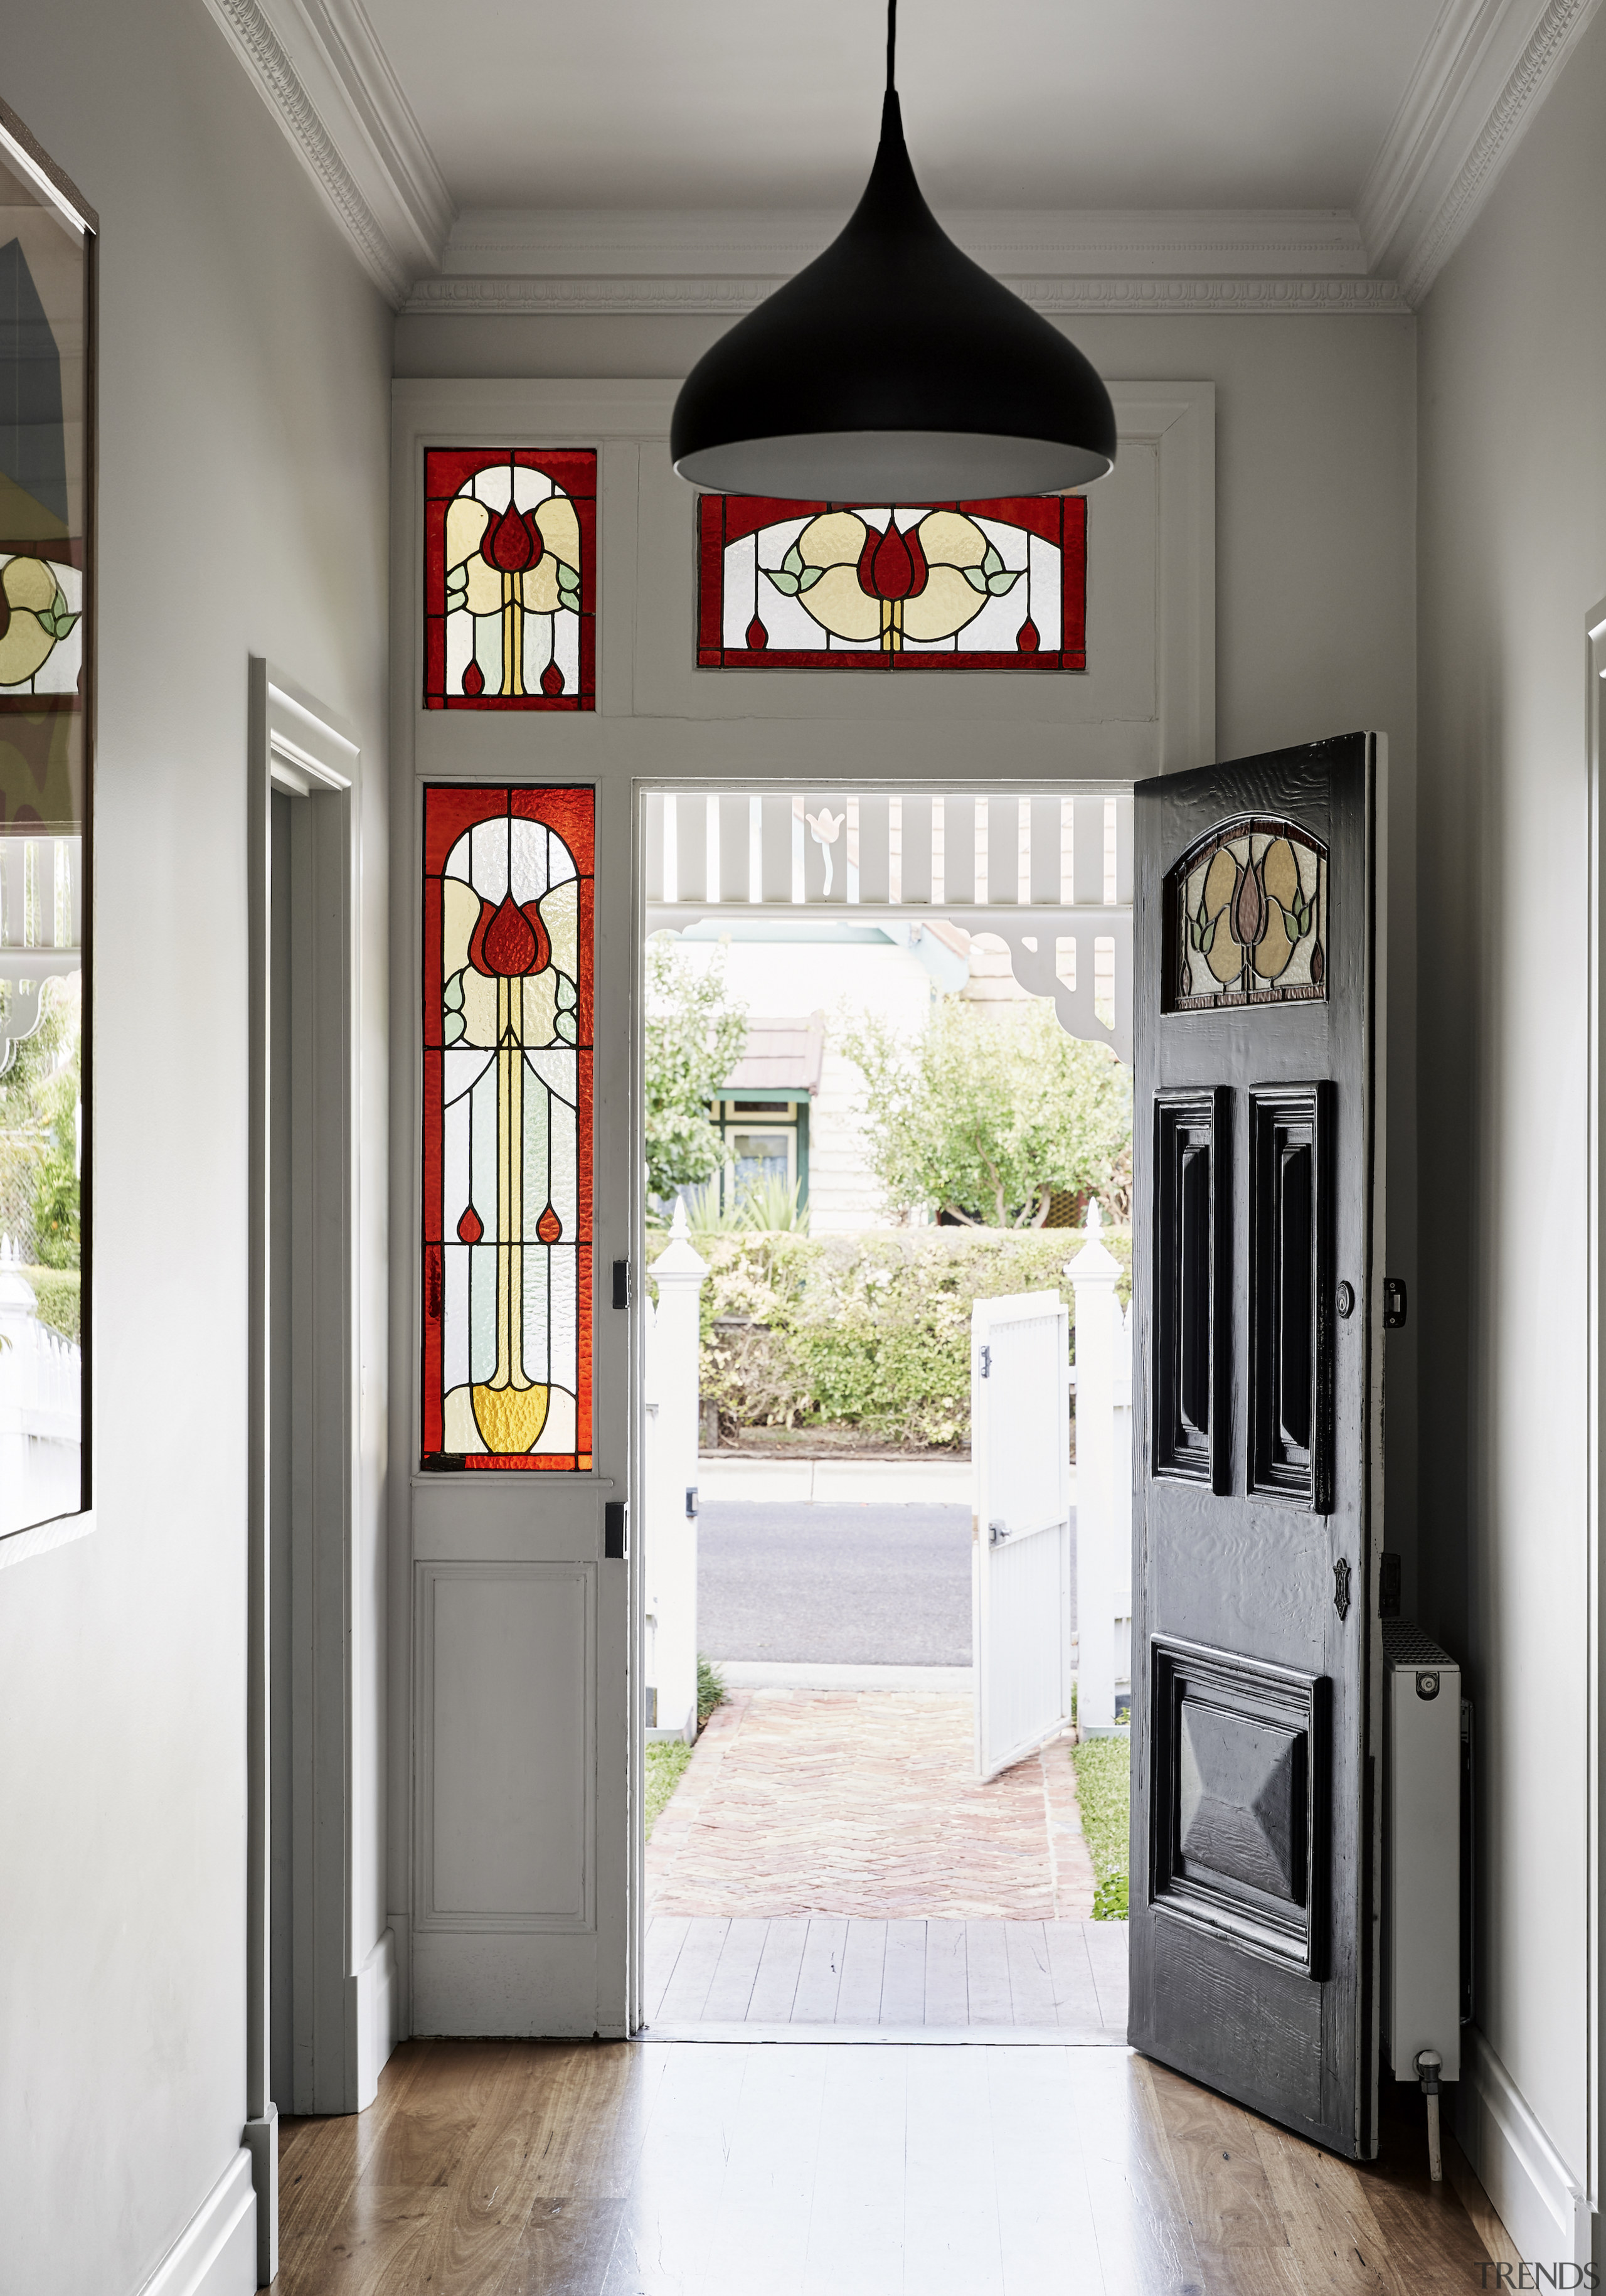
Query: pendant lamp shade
(893, 369)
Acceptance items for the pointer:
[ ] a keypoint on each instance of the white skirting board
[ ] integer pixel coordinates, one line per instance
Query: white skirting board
(374, 2007)
(1529, 2184)
(215, 2254)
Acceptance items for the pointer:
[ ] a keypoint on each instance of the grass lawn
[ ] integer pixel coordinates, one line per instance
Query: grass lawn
(667, 1759)
(1103, 1789)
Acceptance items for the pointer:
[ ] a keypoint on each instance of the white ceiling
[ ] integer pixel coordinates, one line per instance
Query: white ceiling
(1021, 104)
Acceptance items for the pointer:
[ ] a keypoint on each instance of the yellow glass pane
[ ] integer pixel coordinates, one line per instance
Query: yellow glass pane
(560, 530)
(838, 604)
(835, 539)
(948, 538)
(466, 521)
(946, 605)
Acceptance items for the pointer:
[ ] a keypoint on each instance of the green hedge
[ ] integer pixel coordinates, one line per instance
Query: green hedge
(868, 1331)
(1104, 1792)
(58, 1290)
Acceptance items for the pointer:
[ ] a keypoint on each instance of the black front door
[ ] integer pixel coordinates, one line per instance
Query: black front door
(1256, 1524)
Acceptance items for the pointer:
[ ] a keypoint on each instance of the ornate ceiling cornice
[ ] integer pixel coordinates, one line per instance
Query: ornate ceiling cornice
(320, 68)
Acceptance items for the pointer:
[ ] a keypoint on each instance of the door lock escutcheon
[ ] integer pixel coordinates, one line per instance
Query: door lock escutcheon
(1344, 1301)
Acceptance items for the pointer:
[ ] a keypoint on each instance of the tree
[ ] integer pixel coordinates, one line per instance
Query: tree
(986, 1116)
(695, 1035)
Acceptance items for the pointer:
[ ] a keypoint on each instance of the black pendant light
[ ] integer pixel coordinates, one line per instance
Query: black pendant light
(893, 369)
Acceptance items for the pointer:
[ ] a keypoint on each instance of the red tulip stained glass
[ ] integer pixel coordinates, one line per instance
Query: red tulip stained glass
(507, 1274)
(946, 585)
(510, 578)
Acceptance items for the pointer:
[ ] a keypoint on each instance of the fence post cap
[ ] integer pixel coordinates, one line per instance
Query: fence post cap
(1095, 1262)
(680, 1261)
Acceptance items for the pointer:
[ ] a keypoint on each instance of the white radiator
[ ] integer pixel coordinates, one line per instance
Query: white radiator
(1421, 1852)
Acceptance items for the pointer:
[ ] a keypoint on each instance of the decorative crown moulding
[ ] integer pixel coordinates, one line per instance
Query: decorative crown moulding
(1476, 88)
(1018, 242)
(461, 297)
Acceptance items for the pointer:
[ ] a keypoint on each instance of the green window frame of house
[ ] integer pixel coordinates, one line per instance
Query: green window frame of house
(773, 1112)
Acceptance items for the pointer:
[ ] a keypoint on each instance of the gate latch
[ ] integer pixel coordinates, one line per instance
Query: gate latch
(997, 1534)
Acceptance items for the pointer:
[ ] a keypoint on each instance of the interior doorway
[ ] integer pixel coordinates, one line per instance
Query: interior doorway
(830, 1860)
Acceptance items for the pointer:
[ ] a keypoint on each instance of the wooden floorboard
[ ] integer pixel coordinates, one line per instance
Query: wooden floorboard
(1068, 1976)
(619, 2168)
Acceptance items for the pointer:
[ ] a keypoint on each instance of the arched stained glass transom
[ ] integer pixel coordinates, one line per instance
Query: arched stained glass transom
(507, 1273)
(1246, 918)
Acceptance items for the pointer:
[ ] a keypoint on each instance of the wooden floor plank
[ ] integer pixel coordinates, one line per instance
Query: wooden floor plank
(820, 1975)
(1075, 1996)
(948, 2000)
(1031, 1978)
(665, 1934)
(733, 1975)
(856, 2239)
(775, 1985)
(988, 1974)
(582, 2168)
(564, 2251)
(1048, 2235)
(903, 1974)
(1107, 1956)
(699, 1957)
(863, 1958)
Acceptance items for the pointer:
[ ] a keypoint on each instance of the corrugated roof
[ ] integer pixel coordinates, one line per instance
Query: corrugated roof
(780, 1054)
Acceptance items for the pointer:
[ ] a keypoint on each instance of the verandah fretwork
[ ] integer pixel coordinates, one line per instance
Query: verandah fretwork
(1246, 918)
(510, 578)
(507, 1039)
(949, 585)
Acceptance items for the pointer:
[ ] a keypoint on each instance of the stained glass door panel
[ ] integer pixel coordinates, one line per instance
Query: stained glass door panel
(945, 586)
(507, 1128)
(510, 578)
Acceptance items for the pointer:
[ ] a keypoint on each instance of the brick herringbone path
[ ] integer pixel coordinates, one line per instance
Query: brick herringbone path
(864, 1802)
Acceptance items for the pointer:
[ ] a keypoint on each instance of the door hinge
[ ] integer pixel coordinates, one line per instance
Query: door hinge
(1341, 1587)
(987, 1363)
(1394, 1303)
(621, 1282)
(616, 1518)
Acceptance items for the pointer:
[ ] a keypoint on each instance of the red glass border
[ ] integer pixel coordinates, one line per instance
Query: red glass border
(724, 519)
(450, 807)
(445, 470)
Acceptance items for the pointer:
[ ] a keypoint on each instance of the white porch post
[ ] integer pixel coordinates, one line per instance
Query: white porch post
(672, 1349)
(1100, 1572)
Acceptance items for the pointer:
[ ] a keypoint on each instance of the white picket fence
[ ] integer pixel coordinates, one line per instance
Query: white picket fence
(1102, 1379)
(41, 1405)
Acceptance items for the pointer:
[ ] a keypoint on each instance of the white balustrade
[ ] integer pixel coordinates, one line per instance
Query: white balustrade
(1050, 875)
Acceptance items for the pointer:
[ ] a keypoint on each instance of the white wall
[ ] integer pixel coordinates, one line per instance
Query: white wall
(1512, 540)
(244, 508)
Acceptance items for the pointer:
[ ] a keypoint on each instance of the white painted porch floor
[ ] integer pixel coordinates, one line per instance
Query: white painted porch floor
(834, 1977)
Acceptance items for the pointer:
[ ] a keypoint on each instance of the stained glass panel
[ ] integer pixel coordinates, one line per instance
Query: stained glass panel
(510, 578)
(838, 586)
(1248, 918)
(507, 1019)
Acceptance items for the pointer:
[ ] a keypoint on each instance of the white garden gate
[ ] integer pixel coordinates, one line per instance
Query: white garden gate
(1021, 1541)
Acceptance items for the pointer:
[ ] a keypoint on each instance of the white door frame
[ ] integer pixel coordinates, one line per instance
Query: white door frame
(662, 723)
(299, 748)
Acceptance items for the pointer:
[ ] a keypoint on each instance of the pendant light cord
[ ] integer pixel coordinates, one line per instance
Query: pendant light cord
(891, 44)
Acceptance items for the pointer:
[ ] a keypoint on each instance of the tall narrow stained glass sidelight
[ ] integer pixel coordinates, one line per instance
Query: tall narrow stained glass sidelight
(510, 578)
(946, 585)
(507, 1039)
(47, 296)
